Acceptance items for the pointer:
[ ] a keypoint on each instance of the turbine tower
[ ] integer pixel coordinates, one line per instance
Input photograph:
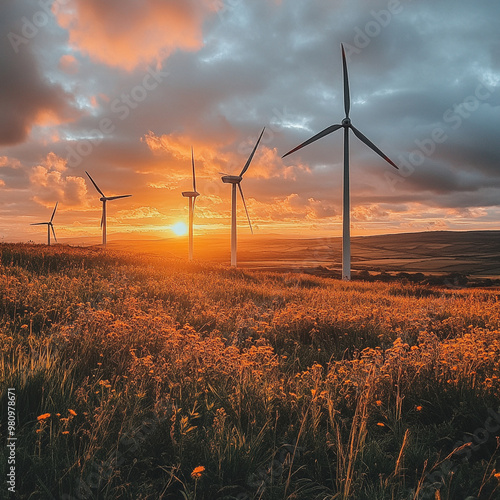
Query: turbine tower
(235, 180)
(50, 226)
(104, 199)
(192, 200)
(346, 125)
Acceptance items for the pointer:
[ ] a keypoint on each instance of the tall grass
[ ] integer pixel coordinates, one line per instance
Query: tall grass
(281, 386)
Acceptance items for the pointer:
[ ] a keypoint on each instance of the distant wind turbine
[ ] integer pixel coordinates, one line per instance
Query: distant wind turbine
(50, 226)
(192, 200)
(104, 199)
(346, 124)
(235, 180)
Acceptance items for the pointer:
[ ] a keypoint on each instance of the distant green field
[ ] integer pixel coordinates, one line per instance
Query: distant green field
(139, 377)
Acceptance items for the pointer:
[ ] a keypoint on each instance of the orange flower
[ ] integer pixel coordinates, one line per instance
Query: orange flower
(45, 416)
(197, 472)
(379, 403)
(419, 408)
(380, 424)
(72, 412)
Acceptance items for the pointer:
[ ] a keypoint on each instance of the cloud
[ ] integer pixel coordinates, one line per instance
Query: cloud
(27, 96)
(50, 183)
(128, 33)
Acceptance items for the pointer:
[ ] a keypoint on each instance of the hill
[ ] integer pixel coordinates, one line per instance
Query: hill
(473, 253)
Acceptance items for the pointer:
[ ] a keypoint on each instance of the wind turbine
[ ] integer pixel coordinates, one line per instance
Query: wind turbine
(346, 124)
(235, 180)
(104, 199)
(50, 226)
(192, 200)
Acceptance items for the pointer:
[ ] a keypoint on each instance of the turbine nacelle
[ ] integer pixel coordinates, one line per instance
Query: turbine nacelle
(232, 179)
(346, 122)
(190, 194)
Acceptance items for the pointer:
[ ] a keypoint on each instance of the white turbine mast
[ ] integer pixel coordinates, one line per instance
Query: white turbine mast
(191, 195)
(346, 125)
(50, 226)
(235, 180)
(105, 199)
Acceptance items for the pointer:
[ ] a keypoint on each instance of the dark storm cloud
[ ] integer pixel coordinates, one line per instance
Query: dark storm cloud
(26, 95)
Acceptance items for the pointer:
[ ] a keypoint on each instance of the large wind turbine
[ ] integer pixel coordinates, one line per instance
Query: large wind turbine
(104, 199)
(50, 226)
(346, 124)
(235, 180)
(192, 200)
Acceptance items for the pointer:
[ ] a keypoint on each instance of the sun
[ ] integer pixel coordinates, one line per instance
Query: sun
(179, 228)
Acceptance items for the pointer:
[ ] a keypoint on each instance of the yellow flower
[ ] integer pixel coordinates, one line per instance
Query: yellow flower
(72, 412)
(45, 416)
(197, 472)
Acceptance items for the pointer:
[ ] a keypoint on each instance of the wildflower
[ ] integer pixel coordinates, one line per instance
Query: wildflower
(45, 416)
(197, 472)
(72, 412)
(419, 408)
(497, 475)
(65, 432)
(380, 424)
(379, 403)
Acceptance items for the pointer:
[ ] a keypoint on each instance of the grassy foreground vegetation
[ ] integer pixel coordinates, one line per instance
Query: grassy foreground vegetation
(143, 378)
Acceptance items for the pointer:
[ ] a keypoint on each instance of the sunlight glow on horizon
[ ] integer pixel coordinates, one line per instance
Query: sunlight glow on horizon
(179, 228)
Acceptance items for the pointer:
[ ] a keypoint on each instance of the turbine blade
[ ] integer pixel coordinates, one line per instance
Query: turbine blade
(347, 95)
(194, 176)
(327, 131)
(369, 143)
(53, 232)
(95, 185)
(54, 212)
(109, 198)
(247, 164)
(245, 205)
(38, 223)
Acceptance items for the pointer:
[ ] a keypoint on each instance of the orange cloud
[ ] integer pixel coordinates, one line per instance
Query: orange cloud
(68, 64)
(50, 184)
(127, 33)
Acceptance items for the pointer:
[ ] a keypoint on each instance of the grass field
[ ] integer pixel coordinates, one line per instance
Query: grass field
(147, 378)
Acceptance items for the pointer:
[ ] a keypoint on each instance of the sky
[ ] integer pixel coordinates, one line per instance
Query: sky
(124, 88)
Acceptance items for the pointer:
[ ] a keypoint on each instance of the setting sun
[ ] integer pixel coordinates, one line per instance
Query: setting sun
(179, 228)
